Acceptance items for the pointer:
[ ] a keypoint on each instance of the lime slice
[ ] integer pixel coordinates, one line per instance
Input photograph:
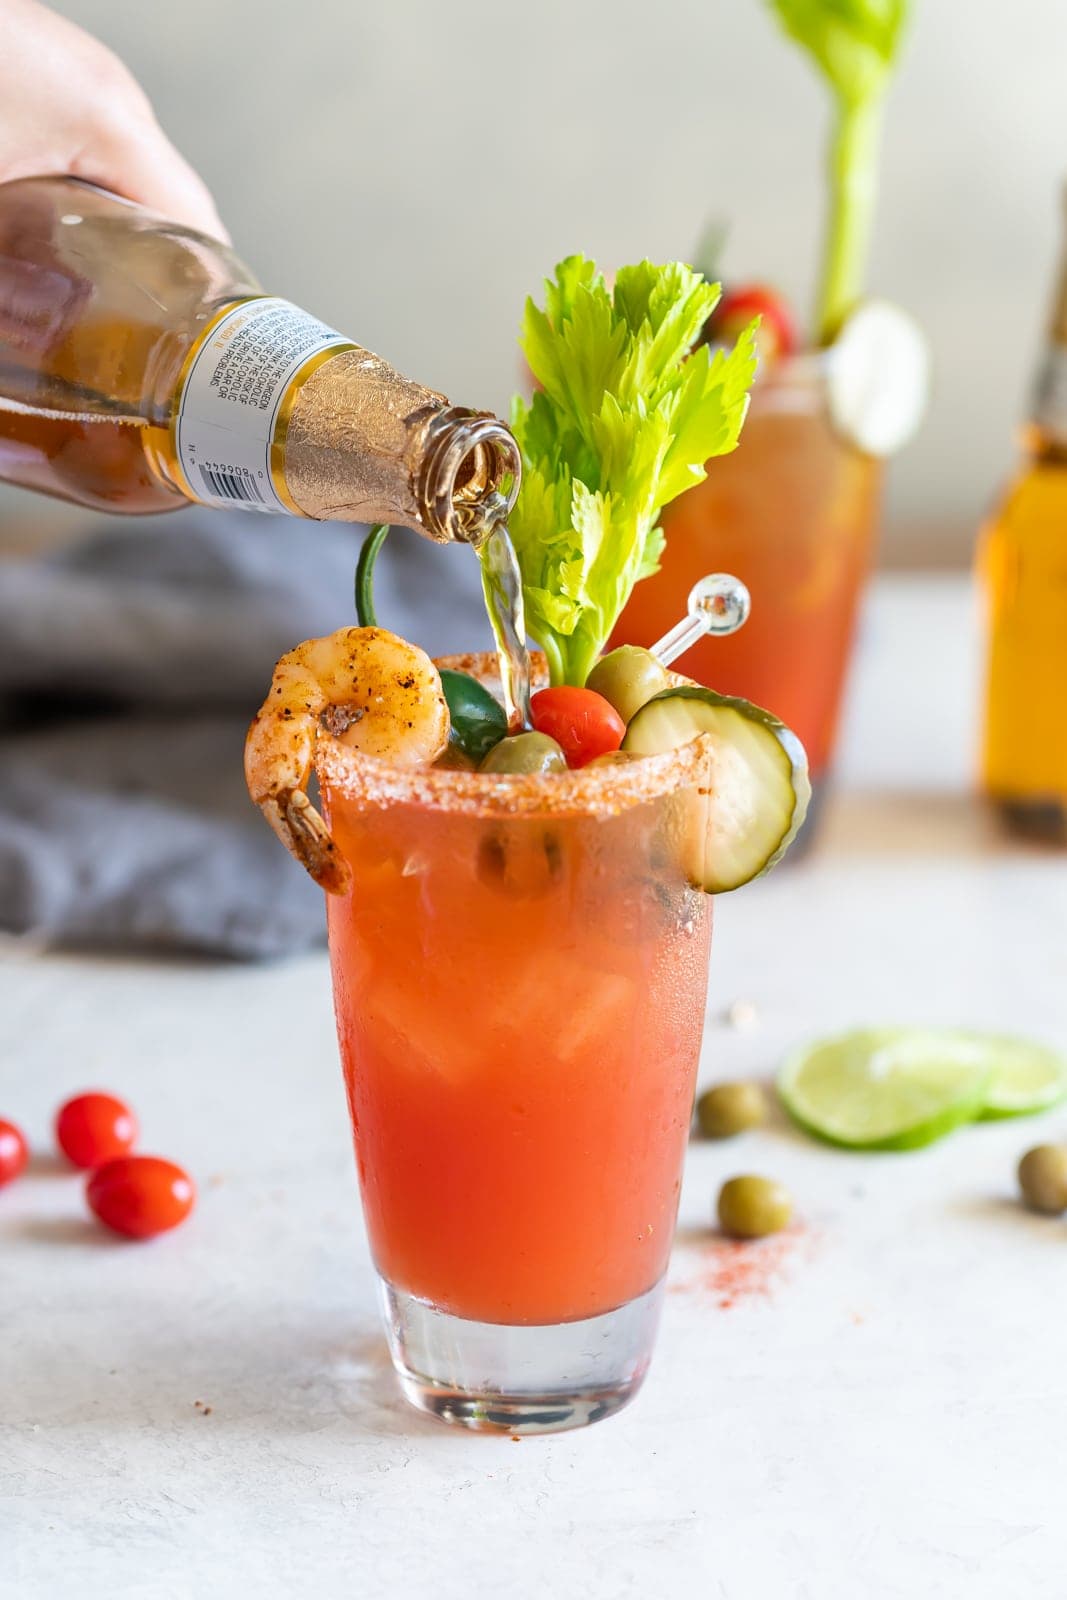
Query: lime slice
(1027, 1077)
(887, 1088)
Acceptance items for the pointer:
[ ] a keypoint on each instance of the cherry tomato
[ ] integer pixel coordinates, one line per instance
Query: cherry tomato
(140, 1196)
(777, 334)
(94, 1128)
(580, 720)
(13, 1152)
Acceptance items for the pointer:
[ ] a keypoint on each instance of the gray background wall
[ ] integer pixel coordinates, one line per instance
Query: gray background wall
(409, 170)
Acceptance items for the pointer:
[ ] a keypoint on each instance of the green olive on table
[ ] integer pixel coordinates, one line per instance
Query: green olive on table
(1043, 1178)
(730, 1108)
(525, 753)
(628, 678)
(751, 1207)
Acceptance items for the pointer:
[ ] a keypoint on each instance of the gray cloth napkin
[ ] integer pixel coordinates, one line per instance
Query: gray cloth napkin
(130, 665)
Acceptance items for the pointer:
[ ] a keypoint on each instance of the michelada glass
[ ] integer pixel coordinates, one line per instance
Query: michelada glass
(794, 512)
(520, 972)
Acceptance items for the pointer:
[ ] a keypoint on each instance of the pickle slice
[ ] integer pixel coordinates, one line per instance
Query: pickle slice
(759, 782)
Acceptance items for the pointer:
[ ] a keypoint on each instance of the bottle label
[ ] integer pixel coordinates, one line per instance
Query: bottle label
(239, 381)
(1050, 394)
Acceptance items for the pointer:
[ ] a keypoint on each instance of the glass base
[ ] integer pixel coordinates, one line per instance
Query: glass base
(501, 1378)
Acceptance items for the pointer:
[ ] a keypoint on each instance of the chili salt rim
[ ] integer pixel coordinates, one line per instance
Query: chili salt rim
(605, 791)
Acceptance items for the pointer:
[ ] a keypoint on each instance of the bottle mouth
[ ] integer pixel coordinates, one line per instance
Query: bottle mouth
(470, 476)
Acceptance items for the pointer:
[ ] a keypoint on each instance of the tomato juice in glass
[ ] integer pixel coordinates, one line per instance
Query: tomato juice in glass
(520, 971)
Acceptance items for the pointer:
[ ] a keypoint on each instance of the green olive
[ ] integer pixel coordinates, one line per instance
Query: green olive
(751, 1207)
(730, 1108)
(1043, 1178)
(628, 677)
(525, 753)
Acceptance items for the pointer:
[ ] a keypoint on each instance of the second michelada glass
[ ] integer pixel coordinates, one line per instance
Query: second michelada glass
(520, 971)
(794, 512)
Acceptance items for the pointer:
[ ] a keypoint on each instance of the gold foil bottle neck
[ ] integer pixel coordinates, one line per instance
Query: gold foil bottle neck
(363, 444)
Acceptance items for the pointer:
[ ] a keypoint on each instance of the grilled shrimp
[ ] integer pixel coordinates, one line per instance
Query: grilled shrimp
(369, 689)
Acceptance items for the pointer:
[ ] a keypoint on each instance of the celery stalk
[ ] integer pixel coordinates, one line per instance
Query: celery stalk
(854, 43)
(629, 409)
(853, 169)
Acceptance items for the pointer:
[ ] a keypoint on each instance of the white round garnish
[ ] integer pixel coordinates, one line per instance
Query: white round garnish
(879, 377)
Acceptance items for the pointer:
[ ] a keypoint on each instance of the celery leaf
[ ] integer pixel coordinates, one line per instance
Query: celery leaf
(626, 415)
(854, 42)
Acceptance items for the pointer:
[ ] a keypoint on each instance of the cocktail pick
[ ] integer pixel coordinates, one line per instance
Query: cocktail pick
(718, 605)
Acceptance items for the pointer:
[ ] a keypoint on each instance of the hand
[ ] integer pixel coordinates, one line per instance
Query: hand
(69, 107)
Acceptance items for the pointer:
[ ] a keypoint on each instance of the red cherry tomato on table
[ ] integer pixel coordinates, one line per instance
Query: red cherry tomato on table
(94, 1128)
(777, 335)
(581, 721)
(13, 1152)
(140, 1196)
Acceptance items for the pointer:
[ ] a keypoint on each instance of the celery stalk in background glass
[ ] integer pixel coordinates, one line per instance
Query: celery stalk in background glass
(854, 43)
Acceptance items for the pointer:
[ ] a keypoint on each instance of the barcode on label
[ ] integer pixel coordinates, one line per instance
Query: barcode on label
(231, 483)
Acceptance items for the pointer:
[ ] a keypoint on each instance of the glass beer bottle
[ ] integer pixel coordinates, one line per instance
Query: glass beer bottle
(142, 366)
(1023, 571)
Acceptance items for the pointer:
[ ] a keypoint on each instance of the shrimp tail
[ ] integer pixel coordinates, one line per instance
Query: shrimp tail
(305, 835)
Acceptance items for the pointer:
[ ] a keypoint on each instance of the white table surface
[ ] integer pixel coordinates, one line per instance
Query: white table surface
(878, 1408)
